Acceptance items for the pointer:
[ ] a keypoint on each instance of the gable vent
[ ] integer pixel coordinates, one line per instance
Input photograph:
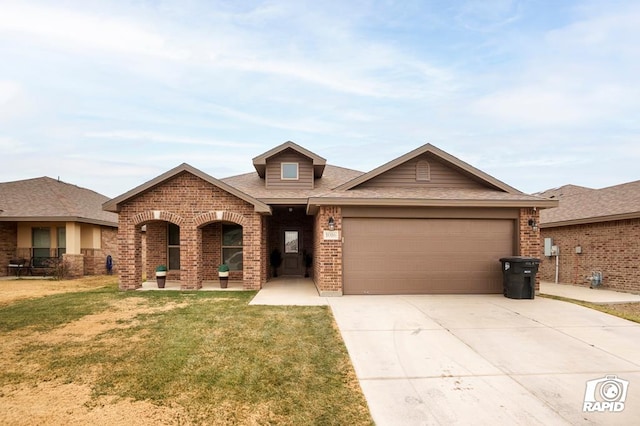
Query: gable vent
(423, 171)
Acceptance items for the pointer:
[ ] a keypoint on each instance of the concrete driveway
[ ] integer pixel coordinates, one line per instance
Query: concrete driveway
(487, 359)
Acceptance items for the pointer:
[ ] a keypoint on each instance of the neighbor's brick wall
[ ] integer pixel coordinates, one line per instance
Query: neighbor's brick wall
(327, 265)
(74, 264)
(191, 203)
(8, 244)
(95, 260)
(610, 247)
(529, 243)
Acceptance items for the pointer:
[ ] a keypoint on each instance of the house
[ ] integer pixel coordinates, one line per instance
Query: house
(596, 230)
(45, 218)
(425, 222)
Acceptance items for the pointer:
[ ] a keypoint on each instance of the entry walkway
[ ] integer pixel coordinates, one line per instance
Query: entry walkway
(295, 291)
(586, 294)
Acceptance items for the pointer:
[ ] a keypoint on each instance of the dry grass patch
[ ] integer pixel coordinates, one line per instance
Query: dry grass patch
(628, 311)
(105, 356)
(28, 288)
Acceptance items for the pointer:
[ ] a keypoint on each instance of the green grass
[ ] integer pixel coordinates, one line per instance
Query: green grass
(216, 357)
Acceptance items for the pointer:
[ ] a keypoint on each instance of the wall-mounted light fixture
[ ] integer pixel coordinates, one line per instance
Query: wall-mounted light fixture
(533, 224)
(332, 224)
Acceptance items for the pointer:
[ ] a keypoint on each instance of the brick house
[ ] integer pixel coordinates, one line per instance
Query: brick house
(425, 222)
(44, 218)
(596, 230)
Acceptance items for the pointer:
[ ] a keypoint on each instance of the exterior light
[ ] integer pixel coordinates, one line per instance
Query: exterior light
(533, 224)
(332, 224)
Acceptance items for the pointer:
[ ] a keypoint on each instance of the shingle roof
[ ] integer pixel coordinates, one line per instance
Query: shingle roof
(421, 196)
(45, 198)
(563, 191)
(596, 205)
(253, 185)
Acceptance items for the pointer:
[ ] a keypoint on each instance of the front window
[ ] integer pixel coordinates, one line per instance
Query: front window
(232, 246)
(41, 239)
(62, 241)
(290, 171)
(173, 246)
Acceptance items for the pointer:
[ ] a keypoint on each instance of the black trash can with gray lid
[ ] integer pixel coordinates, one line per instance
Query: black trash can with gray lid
(519, 276)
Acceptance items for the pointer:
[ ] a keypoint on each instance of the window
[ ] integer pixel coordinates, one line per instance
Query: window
(423, 171)
(62, 241)
(232, 246)
(289, 171)
(41, 239)
(173, 246)
(291, 242)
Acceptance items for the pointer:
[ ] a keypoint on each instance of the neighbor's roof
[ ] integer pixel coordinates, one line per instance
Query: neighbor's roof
(47, 199)
(563, 191)
(114, 204)
(596, 205)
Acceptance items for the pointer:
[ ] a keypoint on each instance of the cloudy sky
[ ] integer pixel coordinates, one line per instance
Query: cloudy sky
(107, 95)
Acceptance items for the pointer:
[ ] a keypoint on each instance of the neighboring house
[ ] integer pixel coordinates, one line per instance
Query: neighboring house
(44, 218)
(596, 230)
(426, 222)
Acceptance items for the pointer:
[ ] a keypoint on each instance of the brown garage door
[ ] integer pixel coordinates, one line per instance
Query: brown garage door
(425, 256)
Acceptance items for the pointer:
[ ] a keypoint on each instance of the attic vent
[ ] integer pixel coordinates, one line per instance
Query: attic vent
(423, 171)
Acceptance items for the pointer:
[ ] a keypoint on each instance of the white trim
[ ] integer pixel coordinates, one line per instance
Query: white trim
(290, 164)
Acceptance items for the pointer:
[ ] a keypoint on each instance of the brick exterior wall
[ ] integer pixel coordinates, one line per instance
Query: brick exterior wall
(327, 265)
(529, 238)
(191, 203)
(612, 248)
(95, 260)
(8, 244)
(74, 265)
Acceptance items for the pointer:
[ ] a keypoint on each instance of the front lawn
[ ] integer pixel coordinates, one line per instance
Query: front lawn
(173, 358)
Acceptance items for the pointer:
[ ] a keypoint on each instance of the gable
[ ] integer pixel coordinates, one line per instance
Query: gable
(274, 178)
(424, 170)
(116, 204)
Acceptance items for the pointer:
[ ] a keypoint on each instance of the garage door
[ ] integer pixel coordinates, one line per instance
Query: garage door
(425, 256)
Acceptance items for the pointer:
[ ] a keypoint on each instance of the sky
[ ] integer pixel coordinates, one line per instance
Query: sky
(108, 95)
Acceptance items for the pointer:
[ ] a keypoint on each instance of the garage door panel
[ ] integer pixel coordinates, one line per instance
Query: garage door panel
(430, 256)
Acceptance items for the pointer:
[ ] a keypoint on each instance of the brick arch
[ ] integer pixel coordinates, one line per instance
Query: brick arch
(152, 215)
(217, 216)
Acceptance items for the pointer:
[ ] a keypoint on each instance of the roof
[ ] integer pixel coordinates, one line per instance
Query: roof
(433, 197)
(260, 162)
(448, 159)
(114, 205)
(563, 191)
(596, 205)
(253, 185)
(47, 199)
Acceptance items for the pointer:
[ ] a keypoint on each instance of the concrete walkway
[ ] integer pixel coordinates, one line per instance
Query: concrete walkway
(594, 295)
(289, 291)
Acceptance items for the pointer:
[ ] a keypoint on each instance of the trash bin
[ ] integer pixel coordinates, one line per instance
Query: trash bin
(519, 276)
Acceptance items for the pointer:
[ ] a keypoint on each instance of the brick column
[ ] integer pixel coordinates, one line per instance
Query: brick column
(73, 265)
(253, 260)
(529, 238)
(130, 255)
(190, 254)
(327, 265)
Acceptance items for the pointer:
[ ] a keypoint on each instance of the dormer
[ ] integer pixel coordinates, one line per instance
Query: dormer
(289, 166)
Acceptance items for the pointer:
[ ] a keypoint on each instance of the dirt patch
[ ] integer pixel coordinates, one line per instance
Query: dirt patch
(12, 289)
(51, 403)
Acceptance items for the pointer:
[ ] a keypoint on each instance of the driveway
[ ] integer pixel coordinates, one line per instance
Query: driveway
(486, 359)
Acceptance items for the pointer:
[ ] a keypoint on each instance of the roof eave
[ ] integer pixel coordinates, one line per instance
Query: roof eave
(58, 219)
(422, 202)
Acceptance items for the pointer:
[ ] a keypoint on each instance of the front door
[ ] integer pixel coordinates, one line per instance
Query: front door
(292, 262)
